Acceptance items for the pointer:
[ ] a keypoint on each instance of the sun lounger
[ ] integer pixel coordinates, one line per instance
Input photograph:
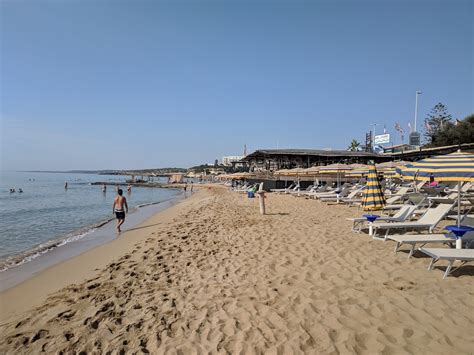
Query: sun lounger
(292, 186)
(427, 222)
(423, 239)
(402, 215)
(451, 255)
(418, 186)
(333, 198)
(299, 191)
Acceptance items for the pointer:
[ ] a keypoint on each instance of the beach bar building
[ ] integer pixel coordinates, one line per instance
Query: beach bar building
(269, 160)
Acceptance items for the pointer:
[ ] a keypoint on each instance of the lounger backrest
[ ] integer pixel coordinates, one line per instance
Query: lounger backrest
(393, 199)
(416, 198)
(402, 212)
(353, 193)
(420, 185)
(466, 187)
(402, 191)
(453, 195)
(434, 215)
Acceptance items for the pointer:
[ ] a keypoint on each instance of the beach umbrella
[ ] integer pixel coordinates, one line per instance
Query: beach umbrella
(282, 172)
(373, 198)
(312, 171)
(295, 171)
(337, 169)
(458, 166)
(243, 175)
(391, 164)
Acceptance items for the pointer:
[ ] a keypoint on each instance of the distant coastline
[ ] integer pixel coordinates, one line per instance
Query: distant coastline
(112, 172)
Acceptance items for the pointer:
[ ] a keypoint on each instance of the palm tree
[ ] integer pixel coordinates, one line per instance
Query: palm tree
(354, 147)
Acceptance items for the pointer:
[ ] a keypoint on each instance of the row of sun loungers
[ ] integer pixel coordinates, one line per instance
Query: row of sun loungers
(407, 210)
(406, 204)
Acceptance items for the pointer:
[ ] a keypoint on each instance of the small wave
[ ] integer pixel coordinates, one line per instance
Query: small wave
(17, 260)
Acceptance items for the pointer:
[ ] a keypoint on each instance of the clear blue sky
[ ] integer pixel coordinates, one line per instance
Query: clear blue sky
(135, 84)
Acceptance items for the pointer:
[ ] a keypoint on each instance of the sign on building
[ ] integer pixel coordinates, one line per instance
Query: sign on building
(382, 138)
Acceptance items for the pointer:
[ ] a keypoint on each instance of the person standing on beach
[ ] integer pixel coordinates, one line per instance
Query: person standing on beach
(119, 208)
(192, 185)
(65, 185)
(185, 187)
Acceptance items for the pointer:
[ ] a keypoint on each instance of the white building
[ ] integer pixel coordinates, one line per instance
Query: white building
(227, 161)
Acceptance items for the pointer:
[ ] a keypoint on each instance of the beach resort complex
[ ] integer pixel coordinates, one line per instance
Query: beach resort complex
(227, 177)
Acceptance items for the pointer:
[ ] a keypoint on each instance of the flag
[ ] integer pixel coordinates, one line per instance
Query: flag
(398, 128)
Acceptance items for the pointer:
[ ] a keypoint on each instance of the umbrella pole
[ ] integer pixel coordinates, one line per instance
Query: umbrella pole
(459, 204)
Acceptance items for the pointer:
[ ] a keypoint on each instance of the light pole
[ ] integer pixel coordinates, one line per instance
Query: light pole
(416, 108)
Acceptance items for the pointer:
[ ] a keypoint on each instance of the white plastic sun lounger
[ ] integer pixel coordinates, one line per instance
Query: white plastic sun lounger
(451, 255)
(285, 189)
(428, 221)
(299, 191)
(423, 239)
(340, 198)
(307, 192)
(402, 215)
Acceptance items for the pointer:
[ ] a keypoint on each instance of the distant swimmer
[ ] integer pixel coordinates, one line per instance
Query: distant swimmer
(12, 191)
(119, 208)
(129, 188)
(20, 190)
(65, 185)
(104, 188)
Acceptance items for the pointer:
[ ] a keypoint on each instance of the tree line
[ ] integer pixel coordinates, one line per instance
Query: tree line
(441, 129)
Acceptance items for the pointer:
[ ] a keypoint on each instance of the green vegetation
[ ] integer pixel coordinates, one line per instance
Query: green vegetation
(451, 133)
(354, 147)
(437, 120)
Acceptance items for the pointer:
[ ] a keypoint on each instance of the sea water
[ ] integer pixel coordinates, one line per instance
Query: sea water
(46, 216)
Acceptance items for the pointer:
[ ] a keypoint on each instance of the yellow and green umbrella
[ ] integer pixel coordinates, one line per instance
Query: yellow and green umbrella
(373, 198)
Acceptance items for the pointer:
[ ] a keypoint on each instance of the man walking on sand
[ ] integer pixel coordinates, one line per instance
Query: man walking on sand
(118, 208)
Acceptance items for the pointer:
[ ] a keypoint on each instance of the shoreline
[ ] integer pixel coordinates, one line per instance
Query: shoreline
(33, 290)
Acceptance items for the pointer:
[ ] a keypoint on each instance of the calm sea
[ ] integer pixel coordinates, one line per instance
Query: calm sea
(46, 215)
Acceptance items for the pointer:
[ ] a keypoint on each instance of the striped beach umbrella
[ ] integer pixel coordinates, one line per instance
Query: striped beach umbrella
(373, 198)
(458, 166)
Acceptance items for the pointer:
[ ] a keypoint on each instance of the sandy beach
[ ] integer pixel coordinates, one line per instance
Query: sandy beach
(211, 275)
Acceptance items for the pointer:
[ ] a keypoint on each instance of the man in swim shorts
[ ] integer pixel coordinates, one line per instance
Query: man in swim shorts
(119, 208)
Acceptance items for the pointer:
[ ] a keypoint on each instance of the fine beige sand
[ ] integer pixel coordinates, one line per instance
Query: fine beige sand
(211, 275)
